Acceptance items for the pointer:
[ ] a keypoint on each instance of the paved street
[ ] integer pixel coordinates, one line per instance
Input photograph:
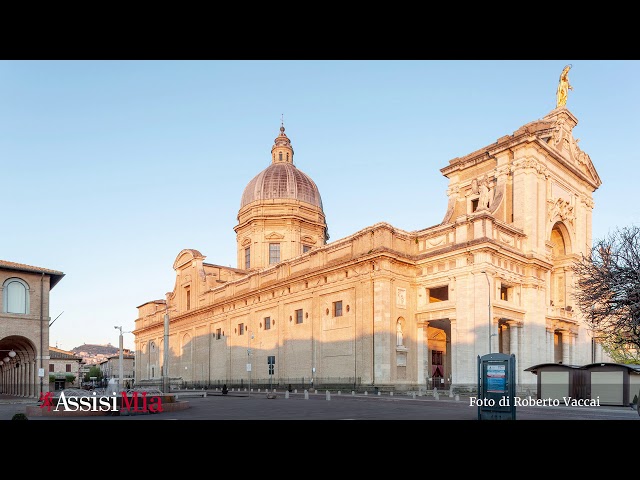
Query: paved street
(242, 406)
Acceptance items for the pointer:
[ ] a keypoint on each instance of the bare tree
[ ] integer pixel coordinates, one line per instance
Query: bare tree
(608, 290)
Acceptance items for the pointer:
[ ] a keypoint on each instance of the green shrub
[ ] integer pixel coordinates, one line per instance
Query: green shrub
(19, 416)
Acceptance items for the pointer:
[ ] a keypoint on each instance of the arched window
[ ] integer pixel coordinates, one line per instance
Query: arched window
(15, 293)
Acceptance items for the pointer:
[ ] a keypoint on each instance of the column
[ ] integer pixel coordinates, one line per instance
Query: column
(514, 334)
(566, 348)
(572, 346)
(423, 353)
(31, 376)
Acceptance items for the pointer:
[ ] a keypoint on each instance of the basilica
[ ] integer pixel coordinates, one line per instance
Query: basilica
(384, 307)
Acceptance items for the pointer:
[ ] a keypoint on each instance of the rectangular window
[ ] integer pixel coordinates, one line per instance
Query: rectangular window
(218, 333)
(51, 367)
(474, 204)
(267, 323)
(507, 293)
(241, 329)
(188, 291)
(247, 258)
(68, 367)
(337, 308)
(305, 248)
(274, 253)
(504, 292)
(299, 316)
(438, 294)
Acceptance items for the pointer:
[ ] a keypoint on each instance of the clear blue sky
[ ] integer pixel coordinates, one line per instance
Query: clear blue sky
(111, 168)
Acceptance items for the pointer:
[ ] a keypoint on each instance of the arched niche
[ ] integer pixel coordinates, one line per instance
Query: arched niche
(560, 240)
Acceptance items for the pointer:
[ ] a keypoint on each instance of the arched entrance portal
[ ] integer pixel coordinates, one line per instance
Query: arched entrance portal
(436, 354)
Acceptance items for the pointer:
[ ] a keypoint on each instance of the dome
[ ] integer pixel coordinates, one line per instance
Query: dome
(282, 180)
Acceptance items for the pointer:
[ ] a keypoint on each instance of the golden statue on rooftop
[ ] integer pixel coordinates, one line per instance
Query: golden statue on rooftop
(563, 88)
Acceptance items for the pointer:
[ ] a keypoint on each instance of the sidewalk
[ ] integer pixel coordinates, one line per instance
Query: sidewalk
(11, 404)
(13, 399)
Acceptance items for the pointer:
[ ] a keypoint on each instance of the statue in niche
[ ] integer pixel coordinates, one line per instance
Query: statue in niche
(485, 194)
(474, 186)
(399, 334)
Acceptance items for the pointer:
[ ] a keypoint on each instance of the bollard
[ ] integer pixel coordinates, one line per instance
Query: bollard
(205, 394)
(286, 394)
(339, 392)
(451, 392)
(353, 392)
(436, 396)
(391, 394)
(306, 395)
(457, 397)
(328, 395)
(379, 392)
(366, 393)
(414, 395)
(295, 391)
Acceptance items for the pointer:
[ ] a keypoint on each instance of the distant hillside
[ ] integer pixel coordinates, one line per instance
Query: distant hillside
(91, 350)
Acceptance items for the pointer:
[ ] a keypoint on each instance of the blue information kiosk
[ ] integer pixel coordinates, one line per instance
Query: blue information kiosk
(496, 387)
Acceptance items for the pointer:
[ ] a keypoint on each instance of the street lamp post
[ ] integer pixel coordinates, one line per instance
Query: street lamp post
(489, 303)
(249, 338)
(120, 361)
(165, 352)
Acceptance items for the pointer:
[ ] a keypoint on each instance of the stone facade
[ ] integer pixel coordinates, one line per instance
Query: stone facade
(24, 327)
(61, 364)
(110, 368)
(385, 307)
